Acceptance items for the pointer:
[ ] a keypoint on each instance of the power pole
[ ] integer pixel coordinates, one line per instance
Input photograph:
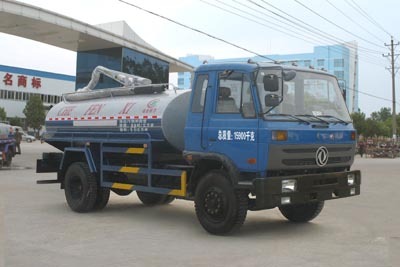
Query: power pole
(393, 70)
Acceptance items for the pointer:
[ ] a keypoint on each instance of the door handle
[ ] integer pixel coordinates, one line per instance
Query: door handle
(212, 139)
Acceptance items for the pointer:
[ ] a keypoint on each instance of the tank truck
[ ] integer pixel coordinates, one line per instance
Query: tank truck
(248, 136)
(7, 145)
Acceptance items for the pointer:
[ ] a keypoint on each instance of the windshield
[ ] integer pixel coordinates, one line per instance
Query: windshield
(309, 94)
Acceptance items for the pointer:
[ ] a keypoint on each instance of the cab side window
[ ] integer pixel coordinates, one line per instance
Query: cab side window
(234, 94)
(200, 93)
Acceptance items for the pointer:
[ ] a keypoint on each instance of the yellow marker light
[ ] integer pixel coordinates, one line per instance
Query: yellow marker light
(279, 135)
(353, 136)
(251, 161)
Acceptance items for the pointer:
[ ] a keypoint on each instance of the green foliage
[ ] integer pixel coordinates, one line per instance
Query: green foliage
(3, 114)
(375, 128)
(359, 122)
(16, 122)
(35, 113)
(382, 115)
(380, 123)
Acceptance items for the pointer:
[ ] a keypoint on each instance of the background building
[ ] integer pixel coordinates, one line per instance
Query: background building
(17, 85)
(112, 45)
(340, 60)
(120, 58)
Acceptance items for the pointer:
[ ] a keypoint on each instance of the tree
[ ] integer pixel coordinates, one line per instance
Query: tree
(3, 114)
(382, 115)
(16, 121)
(359, 122)
(35, 113)
(374, 128)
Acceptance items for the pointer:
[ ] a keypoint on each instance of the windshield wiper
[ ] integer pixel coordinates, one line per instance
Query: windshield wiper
(333, 117)
(288, 115)
(315, 117)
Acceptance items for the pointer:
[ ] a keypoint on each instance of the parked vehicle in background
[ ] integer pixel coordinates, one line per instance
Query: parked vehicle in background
(25, 137)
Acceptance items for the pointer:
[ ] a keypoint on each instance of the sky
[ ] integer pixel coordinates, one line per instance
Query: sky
(256, 34)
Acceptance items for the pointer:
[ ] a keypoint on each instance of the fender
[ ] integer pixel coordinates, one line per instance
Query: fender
(69, 151)
(193, 157)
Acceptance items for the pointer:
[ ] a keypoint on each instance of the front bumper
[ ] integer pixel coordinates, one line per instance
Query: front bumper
(310, 188)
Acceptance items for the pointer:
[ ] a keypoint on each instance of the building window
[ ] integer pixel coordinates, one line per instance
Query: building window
(181, 82)
(146, 66)
(87, 61)
(307, 63)
(18, 96)
(339, 74)
(338, 62)
(320, 62)
(10, 95)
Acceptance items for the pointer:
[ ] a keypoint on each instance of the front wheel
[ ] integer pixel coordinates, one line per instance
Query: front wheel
(301, 213)
(220, 208)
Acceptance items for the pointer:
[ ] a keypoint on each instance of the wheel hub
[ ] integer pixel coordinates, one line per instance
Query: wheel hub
(213, 203)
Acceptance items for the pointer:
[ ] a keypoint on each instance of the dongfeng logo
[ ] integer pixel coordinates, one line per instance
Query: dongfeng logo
(321, 157)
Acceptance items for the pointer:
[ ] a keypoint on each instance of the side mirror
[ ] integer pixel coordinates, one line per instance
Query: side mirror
(271, 83)
(288, 75)
(272, 100)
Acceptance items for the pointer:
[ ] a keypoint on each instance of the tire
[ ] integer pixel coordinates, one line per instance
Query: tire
(29, 140)
(121, 192)
(8, 161)
(80, 187)
(302, 213)
(220, 208)
(152, 199)
(103, 195)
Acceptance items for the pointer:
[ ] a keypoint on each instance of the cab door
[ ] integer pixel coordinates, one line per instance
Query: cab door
(232, 127)
(196, 136)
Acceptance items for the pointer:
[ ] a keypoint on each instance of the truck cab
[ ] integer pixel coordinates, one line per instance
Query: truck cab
(282, 133)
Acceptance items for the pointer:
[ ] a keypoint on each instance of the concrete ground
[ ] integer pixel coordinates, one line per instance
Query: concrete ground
(38, 229)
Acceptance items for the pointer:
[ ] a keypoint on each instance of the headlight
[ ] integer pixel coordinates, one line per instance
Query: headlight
(351, 178)
(289, 185)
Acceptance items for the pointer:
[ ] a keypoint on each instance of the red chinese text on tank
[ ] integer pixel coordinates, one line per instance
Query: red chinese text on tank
(66, 111)
(94, 109)
(127, 108)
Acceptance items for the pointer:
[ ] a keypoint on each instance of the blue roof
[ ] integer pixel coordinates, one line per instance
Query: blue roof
(43, 74)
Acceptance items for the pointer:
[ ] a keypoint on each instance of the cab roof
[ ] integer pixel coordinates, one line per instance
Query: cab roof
(249, 67)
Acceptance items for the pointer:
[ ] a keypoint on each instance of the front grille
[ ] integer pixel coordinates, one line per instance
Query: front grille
(311, 161)
(314, 150)
(304, 156)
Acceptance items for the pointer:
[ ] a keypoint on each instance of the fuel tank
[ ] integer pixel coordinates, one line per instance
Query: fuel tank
(159, 114)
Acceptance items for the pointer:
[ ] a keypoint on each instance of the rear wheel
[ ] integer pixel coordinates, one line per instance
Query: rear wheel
(9, 156)
(302, 212)
(151, 199)
(220, 208)
(81, 188)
